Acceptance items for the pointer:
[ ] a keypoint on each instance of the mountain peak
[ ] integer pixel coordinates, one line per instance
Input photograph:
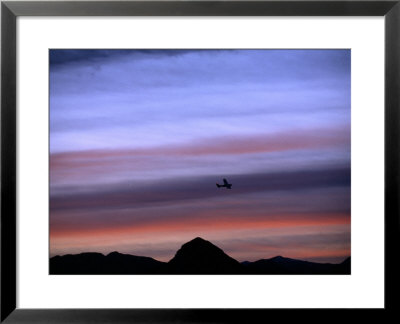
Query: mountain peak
(201, 256)
(198, 242)
(198, 239)
(347, 260)
(114, 253)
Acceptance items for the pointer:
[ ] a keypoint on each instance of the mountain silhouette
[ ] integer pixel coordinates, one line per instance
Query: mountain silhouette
(202, 257)
(197, 256)
(344, 267)
(113, 263)
(281, 265)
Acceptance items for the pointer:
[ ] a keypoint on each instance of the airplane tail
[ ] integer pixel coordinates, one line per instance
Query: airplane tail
(218, 186)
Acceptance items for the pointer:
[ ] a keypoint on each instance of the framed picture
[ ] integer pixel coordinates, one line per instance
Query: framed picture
(222, 160)
(190, 161)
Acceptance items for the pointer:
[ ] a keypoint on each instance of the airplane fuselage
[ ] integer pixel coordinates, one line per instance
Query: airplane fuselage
(225, 185)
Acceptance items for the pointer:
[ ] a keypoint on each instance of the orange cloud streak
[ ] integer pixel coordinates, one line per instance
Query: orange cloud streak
(198, 224)
(301, 139)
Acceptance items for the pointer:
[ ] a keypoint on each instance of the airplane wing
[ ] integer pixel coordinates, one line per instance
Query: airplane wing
(225, 181)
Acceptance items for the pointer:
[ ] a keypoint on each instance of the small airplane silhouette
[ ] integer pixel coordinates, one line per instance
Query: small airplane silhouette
(225, 185)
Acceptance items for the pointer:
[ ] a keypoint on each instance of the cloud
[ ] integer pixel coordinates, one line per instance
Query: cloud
(183, 189)
(125, 102)
(260, 143)
(212, 155)
(61, 57)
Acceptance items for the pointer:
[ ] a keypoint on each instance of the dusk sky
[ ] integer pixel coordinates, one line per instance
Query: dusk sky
(138, 139)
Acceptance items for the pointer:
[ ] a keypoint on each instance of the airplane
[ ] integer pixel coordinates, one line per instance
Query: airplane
(225, 185)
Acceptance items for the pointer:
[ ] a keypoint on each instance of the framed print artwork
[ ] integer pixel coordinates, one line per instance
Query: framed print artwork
(221, 114)
(198, 161)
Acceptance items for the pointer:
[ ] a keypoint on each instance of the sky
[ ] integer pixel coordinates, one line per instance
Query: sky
(139, 139)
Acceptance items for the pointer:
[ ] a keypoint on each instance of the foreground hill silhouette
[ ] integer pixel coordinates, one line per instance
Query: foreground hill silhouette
(202, 257)
(281, 265)
(113, 263)
(195, 257)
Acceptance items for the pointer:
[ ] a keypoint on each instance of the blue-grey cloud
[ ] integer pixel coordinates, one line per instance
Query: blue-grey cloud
(168, 191)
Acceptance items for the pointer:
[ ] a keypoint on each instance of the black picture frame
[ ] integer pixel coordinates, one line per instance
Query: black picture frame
(10, 10)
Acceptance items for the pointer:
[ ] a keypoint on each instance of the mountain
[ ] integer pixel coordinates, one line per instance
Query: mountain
(202, 257)
(197, 256)
(281, 265)
(344, 267)
(113, 263)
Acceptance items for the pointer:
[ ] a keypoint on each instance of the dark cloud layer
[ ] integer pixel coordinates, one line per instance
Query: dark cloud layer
(175, 190)
(64, 56)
